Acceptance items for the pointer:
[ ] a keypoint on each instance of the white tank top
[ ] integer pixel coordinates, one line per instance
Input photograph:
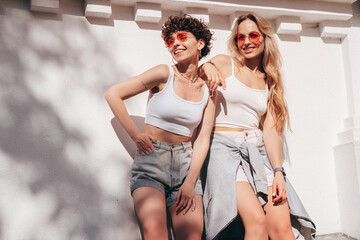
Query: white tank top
(172, 113)
(240, 106)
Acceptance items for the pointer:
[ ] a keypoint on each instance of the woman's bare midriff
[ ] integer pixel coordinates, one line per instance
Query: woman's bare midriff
(164, 136)
(220, 129)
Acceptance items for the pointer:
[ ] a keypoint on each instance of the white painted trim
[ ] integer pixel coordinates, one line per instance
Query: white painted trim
(96, 8)
(49, 6)
(288, 25)
(332, 29)
(147, 12)
(271, 9)
(200, 13)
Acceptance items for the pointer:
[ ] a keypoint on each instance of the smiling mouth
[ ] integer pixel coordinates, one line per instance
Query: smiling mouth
(250, 49)
(177, 51)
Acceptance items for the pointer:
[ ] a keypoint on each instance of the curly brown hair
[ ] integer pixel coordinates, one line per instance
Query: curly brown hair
(193, 25)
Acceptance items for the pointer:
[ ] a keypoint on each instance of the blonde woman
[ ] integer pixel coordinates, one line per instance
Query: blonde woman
(245, 176)
(164, 175)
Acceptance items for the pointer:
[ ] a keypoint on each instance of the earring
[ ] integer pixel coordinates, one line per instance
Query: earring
(173, 61)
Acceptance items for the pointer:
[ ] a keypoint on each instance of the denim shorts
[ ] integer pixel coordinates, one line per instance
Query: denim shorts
(165, 169)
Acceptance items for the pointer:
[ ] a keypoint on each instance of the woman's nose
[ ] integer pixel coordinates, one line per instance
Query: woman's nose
(247, 41)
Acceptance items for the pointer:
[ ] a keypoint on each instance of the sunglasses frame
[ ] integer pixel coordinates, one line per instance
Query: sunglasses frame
(255, 40)
(180, 36)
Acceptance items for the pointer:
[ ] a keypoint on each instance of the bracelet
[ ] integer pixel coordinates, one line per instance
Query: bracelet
(280, 169)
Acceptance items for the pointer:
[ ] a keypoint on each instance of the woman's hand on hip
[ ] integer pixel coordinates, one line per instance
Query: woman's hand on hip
(143, 143)
(278, 188)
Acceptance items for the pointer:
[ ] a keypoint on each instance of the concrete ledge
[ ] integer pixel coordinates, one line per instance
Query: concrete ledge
(339, 1)
(333, 29)
(200, 13)
(347, 169)
(350, 135)
(352, 122)
(319, 11)
(97, 8)
(334, 236)
(47, 6)
(288, 25)
(147, 12)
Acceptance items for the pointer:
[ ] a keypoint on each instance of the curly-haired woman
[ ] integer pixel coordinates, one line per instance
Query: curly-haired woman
(245, 176)
(165, 172)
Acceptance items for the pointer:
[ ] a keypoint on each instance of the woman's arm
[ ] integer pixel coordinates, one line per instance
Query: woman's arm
(273, 148)
(213, 71)
(184, 199)
(121, 91)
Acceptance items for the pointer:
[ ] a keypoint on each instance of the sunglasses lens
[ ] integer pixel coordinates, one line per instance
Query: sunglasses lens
(169, 42)
(181, 36)
(239, 39)
(254, 36)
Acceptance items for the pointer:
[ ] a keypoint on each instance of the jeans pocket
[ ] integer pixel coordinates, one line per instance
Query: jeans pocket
(145, 154)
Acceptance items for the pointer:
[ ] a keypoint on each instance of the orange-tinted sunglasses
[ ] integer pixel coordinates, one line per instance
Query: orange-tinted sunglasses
(253, 37)
(180, 36)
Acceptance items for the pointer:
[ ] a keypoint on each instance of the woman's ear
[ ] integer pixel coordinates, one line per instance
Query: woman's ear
(201, 44)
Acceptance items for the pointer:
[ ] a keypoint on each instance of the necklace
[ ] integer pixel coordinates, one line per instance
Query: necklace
(190, 80)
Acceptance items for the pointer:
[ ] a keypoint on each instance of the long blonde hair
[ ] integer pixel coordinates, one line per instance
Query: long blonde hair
(271, 63)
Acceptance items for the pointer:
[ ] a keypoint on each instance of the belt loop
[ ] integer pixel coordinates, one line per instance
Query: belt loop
(183, 146)
(157, 144)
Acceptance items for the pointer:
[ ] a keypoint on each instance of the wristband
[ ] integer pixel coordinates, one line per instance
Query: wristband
(280, 169)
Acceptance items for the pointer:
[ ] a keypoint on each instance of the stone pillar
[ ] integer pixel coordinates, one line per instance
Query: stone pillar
(347, 152)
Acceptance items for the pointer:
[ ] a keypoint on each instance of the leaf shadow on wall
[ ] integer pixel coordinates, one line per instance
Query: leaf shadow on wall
(35, 135)
(124, 138)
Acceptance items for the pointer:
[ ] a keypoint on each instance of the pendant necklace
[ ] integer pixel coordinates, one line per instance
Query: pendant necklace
(190, 80)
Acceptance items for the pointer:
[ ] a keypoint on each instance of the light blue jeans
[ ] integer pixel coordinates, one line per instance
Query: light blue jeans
(164, 169)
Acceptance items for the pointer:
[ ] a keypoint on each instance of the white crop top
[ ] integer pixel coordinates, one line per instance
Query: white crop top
(240, 106)
(172, 113)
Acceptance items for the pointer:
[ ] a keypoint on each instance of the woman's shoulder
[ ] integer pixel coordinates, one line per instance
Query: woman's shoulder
(221, 59)
(162, 72)
(223, 63)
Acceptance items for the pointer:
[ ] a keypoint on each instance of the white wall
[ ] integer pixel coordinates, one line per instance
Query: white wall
(316, 96)
(63, 169)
